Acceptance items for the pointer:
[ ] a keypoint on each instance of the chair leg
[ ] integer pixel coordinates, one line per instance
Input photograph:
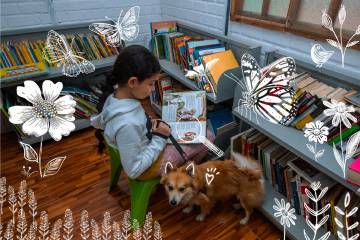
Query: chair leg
(114, 173)
(140, 192)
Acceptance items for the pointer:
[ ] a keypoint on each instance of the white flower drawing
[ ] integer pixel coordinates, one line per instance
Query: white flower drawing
(316, 132)
(341, 114)
(285, 213)
(48, 113)
(339, 43)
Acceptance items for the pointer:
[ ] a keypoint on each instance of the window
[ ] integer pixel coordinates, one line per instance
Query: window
(301, 17)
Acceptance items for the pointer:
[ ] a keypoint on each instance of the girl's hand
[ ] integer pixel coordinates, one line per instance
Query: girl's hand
(161, 128)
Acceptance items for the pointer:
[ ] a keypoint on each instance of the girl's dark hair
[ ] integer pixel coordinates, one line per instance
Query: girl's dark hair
(133, 61)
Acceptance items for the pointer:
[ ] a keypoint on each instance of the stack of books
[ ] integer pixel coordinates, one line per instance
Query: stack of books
(88, 46)
(290, 176)
(191, 51)
(86, 101)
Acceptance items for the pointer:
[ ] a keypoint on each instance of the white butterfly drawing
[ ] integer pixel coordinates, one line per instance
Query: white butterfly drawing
(269, 91)
(127, 29)
(58, 51)
(202, 72)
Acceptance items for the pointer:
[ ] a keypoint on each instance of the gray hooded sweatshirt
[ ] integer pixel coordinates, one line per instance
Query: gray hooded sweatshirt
(124, 125)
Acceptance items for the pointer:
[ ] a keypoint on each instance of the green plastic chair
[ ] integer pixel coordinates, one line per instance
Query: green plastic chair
(140, 190)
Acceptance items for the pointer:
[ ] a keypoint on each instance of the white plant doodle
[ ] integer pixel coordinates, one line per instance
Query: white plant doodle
(48, 114)
(125, 30)
(201, 72)
(344, 222)
(285, 213)
(339, 43)
(269, 91)
(341, 114)
(316, 132)
(57, 50)
(19, 228)
(319, 55)
(317, 213)
(210, 175)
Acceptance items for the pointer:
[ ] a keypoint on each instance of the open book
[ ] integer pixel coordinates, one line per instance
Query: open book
(185, 112)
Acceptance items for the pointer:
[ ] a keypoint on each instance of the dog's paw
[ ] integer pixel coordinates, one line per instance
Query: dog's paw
(236, 206)
(200, 217)
(187, 209)
(244, 221)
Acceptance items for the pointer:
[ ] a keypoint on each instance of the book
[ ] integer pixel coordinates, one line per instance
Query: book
(226, 62)
(354, 99)
(162, 27)
(220, 117)
(354, 172)
(26, 70)
(185, 112)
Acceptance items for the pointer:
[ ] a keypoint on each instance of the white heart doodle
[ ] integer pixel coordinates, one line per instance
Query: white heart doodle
(209, 178)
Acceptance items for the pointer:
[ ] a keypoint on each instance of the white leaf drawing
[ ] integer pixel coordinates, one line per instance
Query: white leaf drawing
(312, 226)
(350, 44)
(319, 153)
(323, 220)
(325, 236)
(354, 237)
(310, 147)
(53, 166)
(333, 43)
(347, 200)
(310, 195)
(339, 210)
(353, 226)
(353, 211)
(341, 236)
(29, 153)
(339, 159)
(352, 145)
(323, 192)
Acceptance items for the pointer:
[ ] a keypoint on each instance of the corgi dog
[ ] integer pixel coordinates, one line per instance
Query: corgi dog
(240, 177)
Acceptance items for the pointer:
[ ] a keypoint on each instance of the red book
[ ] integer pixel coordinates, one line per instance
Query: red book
(354, 172)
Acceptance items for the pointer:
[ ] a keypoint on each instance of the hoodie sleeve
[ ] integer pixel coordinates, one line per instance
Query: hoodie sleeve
(136, 157)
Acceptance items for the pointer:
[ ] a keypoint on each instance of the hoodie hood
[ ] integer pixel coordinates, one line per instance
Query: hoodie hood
(114, 108)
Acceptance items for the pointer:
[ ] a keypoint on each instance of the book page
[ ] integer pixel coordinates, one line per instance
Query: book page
(185, 112)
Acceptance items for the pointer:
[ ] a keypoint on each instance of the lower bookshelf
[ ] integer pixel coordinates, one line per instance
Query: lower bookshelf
(294, 141)
(294, 232)
(79, 124)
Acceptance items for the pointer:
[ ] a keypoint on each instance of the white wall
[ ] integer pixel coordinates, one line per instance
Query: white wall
(19, 14)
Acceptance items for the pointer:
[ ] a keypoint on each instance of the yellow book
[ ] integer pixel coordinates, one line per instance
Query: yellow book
(100, 47)
(226, 61)
(27, 70)
(93, 46)
(22, 59)
(26, 53)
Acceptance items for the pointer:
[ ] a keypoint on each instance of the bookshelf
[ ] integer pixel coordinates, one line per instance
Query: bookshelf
(103, 64)
(225, 86)
(294, 140)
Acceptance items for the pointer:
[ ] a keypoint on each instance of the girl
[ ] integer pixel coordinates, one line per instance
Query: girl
(125, 123)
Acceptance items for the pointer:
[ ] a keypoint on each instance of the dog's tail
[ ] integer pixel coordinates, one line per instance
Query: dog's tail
(248, 166)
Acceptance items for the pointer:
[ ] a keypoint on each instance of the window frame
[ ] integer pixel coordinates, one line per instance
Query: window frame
(289, 23)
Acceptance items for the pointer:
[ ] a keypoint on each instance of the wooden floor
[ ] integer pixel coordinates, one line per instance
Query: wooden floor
(82, 183)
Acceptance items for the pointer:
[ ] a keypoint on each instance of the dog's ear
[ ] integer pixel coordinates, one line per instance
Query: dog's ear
(163, 180)
(168, 168)
(190, 169)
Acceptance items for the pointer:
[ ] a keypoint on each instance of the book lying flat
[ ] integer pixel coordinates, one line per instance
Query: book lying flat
(185, 112)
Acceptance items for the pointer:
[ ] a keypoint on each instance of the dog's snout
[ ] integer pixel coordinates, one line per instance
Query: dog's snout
(173, 202)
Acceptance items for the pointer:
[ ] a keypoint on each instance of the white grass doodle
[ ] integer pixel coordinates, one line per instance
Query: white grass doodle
(285, 213)
(339, 43)
(125, 30)
(201, 73)
(57, 50)
(341, 114)
(210, 175)
(344, 222)
(316, 132)
(269, 91)
(19, 227)
(48, 114)
(317, 213)
(319, 55)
